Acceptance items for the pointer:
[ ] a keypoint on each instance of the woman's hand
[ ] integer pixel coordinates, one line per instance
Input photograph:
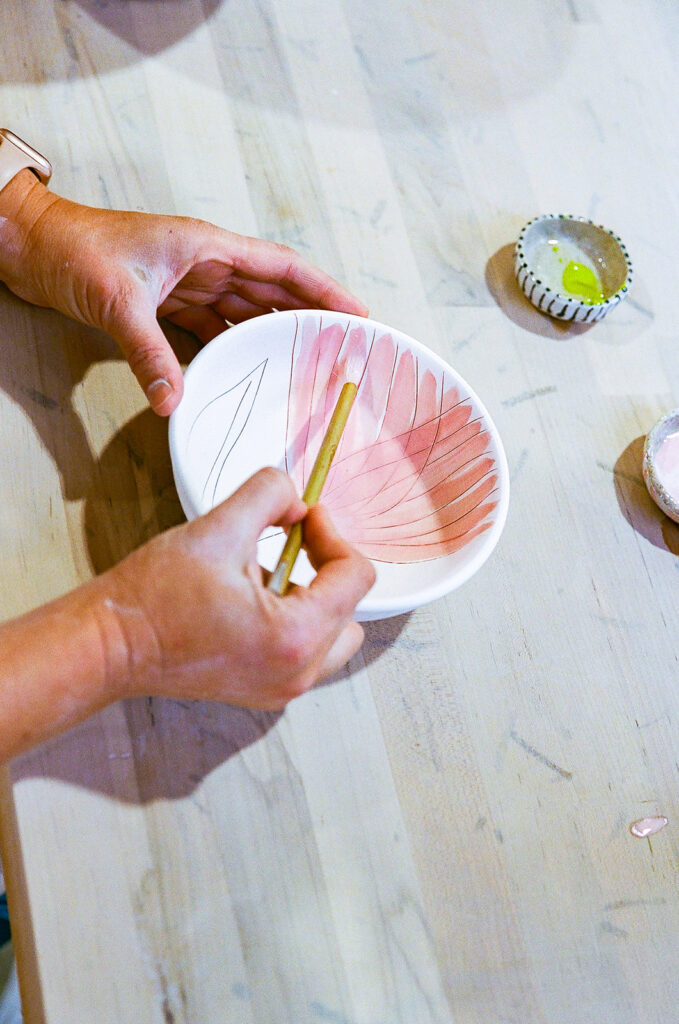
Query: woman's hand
(192, 617)
(186, 615)
(120, 271)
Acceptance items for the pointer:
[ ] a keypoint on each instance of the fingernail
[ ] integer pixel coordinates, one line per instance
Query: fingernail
(158, 392)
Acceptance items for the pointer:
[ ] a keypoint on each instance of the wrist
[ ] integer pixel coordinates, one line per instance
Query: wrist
(23, 201)
(129, 645)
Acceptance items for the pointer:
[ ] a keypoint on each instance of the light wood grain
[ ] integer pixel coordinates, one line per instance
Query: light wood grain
(440, 834)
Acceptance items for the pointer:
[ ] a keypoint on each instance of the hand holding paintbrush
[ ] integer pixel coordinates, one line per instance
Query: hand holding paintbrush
(280, 577)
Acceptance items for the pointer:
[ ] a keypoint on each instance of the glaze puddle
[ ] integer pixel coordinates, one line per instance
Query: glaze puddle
(568, 270)
(645, 827)
(581, 281)
(667, 464)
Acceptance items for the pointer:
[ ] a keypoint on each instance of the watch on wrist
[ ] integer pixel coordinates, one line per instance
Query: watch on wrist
(15, 154)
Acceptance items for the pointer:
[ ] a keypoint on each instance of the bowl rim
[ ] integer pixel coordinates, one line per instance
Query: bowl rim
(656, 488)
(520, 255)
(385, 606)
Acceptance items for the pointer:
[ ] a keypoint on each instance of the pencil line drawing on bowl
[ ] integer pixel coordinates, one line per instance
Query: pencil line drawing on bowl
(414, 477)
(240, 401)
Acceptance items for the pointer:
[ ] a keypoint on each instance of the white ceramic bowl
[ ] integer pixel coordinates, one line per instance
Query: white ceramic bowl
(547, 250)
(660, 464)
(419, 482)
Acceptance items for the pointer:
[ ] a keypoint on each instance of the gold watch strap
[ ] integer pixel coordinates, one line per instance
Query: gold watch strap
(15, 154)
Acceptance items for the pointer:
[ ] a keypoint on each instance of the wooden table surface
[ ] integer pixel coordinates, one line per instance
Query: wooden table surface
(441, 833)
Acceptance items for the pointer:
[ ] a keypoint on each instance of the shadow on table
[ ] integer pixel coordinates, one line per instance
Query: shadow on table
(44, 358)
(503, 286)
(162, 749)
(626, 322)
(94, 37)
(158, 25)
(636, 504)
(412, 68)
(415, 70)
(129, 496)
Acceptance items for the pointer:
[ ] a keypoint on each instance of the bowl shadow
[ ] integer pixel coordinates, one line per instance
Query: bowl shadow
(636, 504)
(502, 285)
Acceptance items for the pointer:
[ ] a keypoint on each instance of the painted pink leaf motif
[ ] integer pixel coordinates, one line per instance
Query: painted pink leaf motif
(414, 476)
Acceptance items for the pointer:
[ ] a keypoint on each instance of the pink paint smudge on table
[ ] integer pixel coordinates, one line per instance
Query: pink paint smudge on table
(413, 477)
(667, 464)
(645, 827)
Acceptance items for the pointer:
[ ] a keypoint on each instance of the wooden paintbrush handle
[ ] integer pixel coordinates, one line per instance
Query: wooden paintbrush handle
(280, 577)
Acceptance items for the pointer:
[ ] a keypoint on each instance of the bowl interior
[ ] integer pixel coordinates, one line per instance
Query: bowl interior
(419, 482)
(661, 463)
(599, 245)
(664, 428)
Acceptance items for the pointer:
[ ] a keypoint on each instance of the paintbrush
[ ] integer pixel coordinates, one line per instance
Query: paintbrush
(279, 579)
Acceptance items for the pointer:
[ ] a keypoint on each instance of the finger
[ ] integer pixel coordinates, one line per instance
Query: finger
(268, 261)
(343, 575)
(349, 641)
(236, 309)
(322, 540)
(268, 498)
(265, 294)
(202, 321)
(151, 359)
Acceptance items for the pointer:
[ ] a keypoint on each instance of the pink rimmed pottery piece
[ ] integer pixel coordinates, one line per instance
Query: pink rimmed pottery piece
(419, 482)
(660, 464)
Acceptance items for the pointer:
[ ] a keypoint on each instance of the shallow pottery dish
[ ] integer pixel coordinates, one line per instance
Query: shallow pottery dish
(419, 482)
(571, 268)
(660, 464)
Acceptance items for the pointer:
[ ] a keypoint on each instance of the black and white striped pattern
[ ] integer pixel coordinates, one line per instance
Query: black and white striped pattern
(546, 299)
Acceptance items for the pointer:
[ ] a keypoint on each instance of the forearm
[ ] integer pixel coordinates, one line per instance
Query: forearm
(58, 665)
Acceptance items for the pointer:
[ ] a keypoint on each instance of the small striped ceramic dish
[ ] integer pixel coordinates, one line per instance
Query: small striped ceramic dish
(571, 268)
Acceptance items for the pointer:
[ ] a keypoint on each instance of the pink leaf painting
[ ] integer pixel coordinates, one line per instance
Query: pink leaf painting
(414, 476)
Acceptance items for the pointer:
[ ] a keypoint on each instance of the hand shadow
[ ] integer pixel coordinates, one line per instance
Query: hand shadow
(637, 505)
(175, 743)
(43, 358)
(129, 497)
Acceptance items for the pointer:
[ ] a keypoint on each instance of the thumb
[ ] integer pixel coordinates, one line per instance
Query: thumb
(268, 498)
(151, 359)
